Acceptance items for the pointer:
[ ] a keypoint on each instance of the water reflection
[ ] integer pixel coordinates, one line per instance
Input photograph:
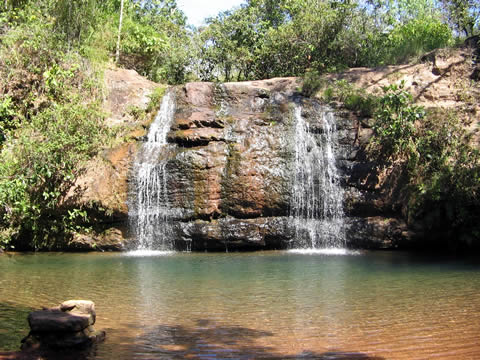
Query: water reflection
(273, 305)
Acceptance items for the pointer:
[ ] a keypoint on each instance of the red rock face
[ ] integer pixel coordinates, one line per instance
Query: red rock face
(230, 166)
(231, 173)
(232, 160)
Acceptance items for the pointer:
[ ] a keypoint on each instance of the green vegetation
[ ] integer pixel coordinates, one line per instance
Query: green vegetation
(433, 146)
(259, 39)
(395, 121)
(52, 57)
(442, 165)
(266, 38)
(351, 97)
(50, 124)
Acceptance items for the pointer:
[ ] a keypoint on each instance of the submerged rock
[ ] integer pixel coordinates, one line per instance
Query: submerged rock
(68, 325)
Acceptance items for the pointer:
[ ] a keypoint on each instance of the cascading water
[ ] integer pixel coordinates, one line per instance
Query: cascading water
(317, 202)
(150, 211)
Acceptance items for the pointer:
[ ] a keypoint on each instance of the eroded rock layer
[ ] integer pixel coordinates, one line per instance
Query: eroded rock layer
(229, 175)
(231, 172)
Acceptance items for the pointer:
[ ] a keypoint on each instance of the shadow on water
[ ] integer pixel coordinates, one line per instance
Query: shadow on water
(208, 340)
(13, 325)
(205, 340)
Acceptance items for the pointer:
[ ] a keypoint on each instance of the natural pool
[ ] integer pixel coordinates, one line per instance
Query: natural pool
(276, 305)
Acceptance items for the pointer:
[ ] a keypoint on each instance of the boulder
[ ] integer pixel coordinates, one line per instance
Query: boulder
(44, 321)
(112, 239)
(68, 325)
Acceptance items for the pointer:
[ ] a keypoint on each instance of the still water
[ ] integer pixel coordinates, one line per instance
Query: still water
(273, 305)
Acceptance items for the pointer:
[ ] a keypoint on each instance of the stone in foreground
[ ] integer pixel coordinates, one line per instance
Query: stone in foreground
(66, 326)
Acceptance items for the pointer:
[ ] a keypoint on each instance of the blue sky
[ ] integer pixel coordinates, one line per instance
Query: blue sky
(198, 10)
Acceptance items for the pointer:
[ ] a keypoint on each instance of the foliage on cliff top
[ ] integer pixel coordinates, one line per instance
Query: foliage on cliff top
(259, 39)
(266, 38)
(443, 165)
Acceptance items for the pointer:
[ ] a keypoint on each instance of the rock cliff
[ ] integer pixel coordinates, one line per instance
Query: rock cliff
(103, 187)
(230, 166)
(231, 173)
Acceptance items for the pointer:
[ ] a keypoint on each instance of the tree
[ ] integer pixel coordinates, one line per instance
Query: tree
(117, 53)
(464, 15)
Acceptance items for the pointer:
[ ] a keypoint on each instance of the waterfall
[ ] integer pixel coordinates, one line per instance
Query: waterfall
(150, 211)
(317, 202)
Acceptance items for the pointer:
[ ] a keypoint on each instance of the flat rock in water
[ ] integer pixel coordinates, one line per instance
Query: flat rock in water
(58, 321)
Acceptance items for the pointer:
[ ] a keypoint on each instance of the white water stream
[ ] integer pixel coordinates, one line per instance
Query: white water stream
(317, 205)
(150, 211)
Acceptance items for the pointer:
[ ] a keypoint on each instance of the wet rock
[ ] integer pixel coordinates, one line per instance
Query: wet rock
(68, 325)
(230, 233)
(112, 239)
(231, 165)
(195, 137)
(234, 154)
(378, 232)
(57, 321)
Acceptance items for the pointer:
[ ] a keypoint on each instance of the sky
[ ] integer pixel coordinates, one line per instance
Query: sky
(198, 10)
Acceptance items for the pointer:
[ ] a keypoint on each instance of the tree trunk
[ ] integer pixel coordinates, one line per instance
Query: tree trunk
(117, 54)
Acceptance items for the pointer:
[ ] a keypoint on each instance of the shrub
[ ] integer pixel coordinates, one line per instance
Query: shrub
(38, 173)
(364, 104)
(50, 125)
(415, 37)
(442, 167)
(395, 120)
(312, 83)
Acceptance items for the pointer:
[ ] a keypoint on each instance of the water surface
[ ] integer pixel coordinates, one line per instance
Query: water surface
(280, 305)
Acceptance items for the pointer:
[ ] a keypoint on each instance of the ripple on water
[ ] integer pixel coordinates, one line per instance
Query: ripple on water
(147, 253)
(325, 251)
